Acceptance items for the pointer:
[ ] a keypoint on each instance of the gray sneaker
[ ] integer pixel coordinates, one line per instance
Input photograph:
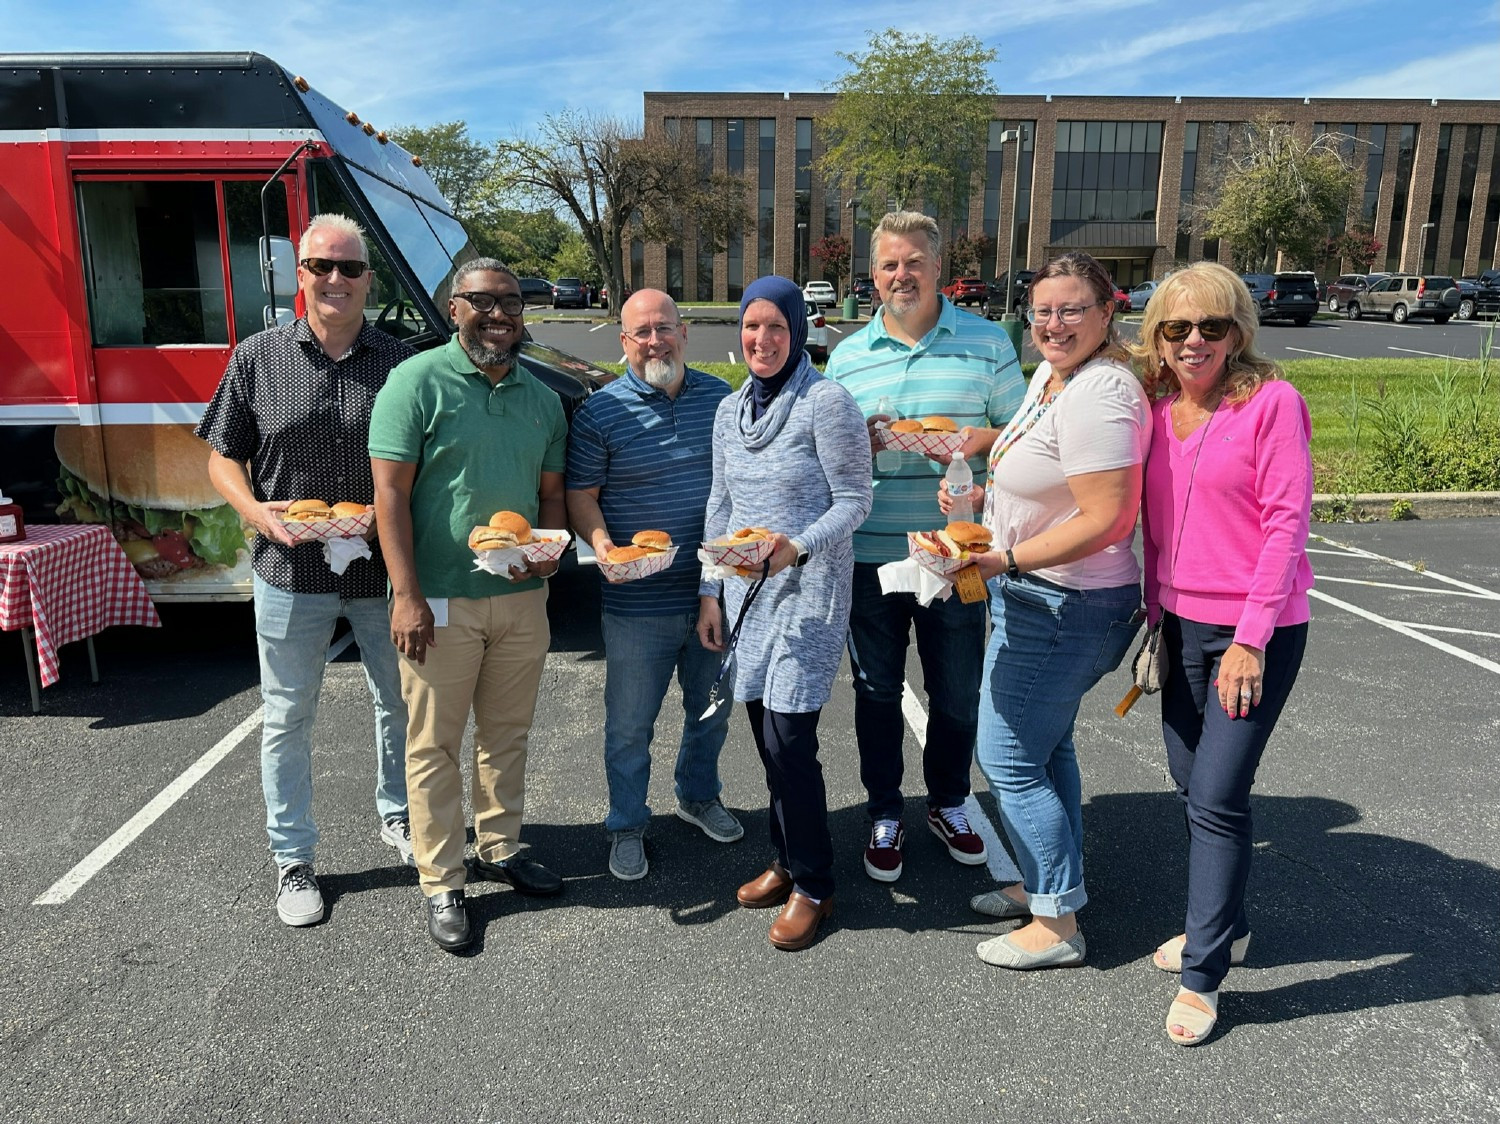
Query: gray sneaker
(397, 832)
(712, 817)
(298, 900)
(627, 854)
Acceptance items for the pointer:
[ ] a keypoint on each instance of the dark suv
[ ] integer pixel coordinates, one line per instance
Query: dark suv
(996, 305)
(1284, 296)
(568, 291)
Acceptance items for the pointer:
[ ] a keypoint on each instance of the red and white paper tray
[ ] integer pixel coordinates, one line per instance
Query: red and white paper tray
(934, 562)
(546, 546)
(746, 554)
(344, 527)
(928, 444)
(639, 568)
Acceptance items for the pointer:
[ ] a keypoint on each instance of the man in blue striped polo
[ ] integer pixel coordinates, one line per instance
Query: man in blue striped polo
(925, 357)
(640, 458)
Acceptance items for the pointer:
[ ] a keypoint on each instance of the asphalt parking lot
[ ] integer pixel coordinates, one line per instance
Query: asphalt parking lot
(161, 987)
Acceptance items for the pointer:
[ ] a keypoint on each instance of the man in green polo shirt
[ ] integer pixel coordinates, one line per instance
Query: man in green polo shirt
(457, 434)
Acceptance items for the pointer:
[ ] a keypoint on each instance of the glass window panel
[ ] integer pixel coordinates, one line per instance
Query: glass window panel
(1076, 142)
(1138, 136)
(996, 128)
(1119, 204)
(1075, 169)
(1064, 134)
(242, 219)
(1106, 136)
(1091, 136)
(1153, 136)
(1090, 179)
(1136, 177)
(1190, 137)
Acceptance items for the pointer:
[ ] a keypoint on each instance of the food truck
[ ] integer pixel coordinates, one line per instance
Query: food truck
(149, 214)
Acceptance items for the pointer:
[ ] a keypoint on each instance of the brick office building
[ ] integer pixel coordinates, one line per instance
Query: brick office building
(1112, 176)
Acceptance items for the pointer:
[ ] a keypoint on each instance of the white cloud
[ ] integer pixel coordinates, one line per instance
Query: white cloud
(1473, 72)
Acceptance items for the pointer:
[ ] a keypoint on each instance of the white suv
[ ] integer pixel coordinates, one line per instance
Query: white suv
(820, 292)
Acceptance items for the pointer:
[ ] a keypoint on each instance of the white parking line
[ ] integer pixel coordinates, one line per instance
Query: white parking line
(1412, 588)
(1445, 628)
(1433, 574)
(838, 331)
(1431, 354)
(601, 324)
(101, 856)
(1001, 868)
(1324, 354)
(1407, 631)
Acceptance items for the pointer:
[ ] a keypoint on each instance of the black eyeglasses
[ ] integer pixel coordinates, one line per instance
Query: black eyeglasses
(511, 304)
(322, 267)
(1212, 329)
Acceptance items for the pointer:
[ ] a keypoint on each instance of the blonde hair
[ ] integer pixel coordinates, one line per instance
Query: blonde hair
(335, 224)
(1216, 291)
(902, 223)
(1087, 269)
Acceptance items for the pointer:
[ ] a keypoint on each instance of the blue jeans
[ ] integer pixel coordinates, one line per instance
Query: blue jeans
(293, 631)
(1048, 646)
(950, 644)
(640, 655)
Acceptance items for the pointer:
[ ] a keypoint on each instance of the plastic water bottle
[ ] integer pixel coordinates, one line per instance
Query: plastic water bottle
(887, 460)
(959, 483)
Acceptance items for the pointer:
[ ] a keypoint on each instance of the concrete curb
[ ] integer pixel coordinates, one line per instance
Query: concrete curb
(1374, 507)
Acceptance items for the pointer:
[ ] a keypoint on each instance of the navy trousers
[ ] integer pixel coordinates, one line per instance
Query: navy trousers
(788, 747)
(1213, 759)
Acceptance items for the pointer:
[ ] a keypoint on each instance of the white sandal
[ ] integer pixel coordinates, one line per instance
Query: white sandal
(1168, 955)
(1197, 1024)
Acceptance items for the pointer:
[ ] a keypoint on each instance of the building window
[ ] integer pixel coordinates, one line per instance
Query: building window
(766, 243)
(1428, 264)
(1405, 154)
(637, 264)
(1186, 192)
(705, 127)
(1104, 171)
(734, 138)
(735, 267)
(1374, 169)
(801, 264)
(705, 270)
(1458, 249)
(1025, 164)
(994, 166)
(1491, 207)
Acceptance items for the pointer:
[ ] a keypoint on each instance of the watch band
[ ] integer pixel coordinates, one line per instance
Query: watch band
(802, 555)
(1011, 570)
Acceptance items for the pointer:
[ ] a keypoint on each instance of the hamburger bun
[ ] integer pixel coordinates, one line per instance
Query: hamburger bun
(488, 538)
(307, 511)
(972, 537)
(750, 534)
(654, 542)
(348, 510)
(150, 466)
(512, 524)
(937, 423)
(906, 425)
(622, 554)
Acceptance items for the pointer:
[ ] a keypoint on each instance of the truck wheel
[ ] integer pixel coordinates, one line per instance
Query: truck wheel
(1466, 308)
(1398, 314)
(1351, 310)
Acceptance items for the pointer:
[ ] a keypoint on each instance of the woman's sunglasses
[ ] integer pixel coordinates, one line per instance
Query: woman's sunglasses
(1213, 329)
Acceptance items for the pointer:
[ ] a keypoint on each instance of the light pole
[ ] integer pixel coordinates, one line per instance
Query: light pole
(851, 301)
(1422, 245)
(801, 267)
(1009, 321)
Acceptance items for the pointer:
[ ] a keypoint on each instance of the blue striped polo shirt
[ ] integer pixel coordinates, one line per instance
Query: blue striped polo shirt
(651, 457)
(964, 368)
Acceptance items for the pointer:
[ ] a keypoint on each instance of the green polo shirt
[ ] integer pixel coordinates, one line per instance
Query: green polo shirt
(478, 449)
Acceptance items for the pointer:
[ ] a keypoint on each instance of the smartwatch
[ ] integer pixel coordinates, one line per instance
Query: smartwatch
(802, 555)
(1011, 571)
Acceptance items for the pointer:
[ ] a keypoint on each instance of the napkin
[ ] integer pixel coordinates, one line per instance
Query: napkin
(908, 576)
(338, 553)
(501, 562)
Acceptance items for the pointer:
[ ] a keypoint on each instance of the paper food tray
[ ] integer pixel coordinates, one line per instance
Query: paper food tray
(640, 568)
(347, 527)
(934, 562)
(928, 444)
(745, 554)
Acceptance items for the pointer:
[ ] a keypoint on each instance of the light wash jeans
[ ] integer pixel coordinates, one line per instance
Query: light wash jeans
(293, 631)
(1048, 646)
(641, 654)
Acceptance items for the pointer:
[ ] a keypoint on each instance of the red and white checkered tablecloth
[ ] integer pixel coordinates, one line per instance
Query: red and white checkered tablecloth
(67, 583)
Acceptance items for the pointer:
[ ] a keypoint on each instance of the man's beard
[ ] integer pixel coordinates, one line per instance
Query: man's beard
(660, 373)
(481, 354)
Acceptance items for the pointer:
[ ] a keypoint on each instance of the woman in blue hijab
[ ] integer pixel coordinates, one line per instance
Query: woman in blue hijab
(791, 453)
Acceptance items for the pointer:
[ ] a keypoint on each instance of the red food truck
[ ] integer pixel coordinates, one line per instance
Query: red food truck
(149, 213)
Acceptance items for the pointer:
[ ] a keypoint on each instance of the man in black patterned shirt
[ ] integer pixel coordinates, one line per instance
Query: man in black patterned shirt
(290, 421)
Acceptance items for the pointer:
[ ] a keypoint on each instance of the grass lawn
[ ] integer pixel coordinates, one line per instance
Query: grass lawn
(1339, 393)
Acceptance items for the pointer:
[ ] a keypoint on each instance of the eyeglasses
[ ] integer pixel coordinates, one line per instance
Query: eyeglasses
(322, 267)
(1212, 329)
(511, 303)
(643, 335)
(1068, 313)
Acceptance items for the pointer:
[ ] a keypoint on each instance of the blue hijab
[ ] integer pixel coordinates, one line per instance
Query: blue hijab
(787, 298)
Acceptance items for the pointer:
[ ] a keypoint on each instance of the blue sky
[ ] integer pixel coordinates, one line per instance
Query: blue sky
(503, 66)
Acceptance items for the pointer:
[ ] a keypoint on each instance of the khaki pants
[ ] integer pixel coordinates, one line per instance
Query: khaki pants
(489, 657)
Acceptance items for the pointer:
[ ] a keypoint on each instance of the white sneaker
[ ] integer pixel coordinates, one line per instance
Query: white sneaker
(397, 833)
(298, 899)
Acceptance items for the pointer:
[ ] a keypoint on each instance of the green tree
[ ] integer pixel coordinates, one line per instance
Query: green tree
(462, 169)
(575, 259)
(609, 177)
(967, 253)
(1277, 192)
(910, 121)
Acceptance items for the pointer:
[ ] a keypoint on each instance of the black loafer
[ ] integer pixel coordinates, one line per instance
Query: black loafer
(448, 921)
(527, 875)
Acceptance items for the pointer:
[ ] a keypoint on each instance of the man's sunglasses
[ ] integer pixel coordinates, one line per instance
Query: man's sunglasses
(1212, 329)
(510, 303)
(322, 267)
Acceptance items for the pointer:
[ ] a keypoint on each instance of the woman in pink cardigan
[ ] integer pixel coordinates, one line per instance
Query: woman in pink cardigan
(1228, 496)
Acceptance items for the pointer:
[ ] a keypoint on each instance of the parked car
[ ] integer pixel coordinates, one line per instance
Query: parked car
(864, 290)
(1406, 296)
(1479, 296)
(996, 292)
(820, 292)
(1141, 294)
(536, 290)
(817, 332)
(569, 292)
(1284, 296)
(967, 290)
(1339, 292)
(604, 294)
(1121, 298)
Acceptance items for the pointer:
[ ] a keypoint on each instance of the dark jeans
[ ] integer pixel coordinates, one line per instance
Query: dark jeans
(950, 644)
(1213, 758)
(788, 746)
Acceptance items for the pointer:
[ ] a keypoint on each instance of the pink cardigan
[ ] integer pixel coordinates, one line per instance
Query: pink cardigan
(1242, 559)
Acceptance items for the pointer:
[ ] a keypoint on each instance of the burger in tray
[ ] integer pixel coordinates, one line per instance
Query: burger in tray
(932, 436)
(149, 484)
(745, 548)
(950, 549)
(649, 552)
(508, 542)
(317, 521)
